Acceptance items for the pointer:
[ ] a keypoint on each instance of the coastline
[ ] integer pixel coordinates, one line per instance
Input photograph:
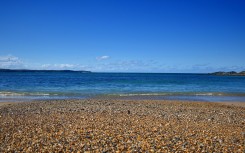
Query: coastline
(122, 125)
(177, 96)
(231, 103)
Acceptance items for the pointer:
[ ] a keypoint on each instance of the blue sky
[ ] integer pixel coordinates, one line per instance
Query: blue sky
(123, 36)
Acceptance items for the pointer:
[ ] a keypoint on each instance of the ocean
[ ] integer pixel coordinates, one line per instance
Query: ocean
(77, 85)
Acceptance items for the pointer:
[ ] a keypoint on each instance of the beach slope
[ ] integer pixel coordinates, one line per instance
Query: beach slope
(121, 126)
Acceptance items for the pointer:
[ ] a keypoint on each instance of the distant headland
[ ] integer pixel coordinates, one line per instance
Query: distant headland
(231, 73)
(27, 70)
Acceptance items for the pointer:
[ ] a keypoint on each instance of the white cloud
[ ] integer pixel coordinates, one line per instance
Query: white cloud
(57, 66)
(102, 57)
(127, 66)
(63, 67)
(66, 66)
(13, 62)
(10, 61)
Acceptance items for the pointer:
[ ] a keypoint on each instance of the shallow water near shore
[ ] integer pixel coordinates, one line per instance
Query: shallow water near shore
(24, 86)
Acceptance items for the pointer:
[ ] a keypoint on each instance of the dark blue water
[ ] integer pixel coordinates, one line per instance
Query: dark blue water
(48, 85)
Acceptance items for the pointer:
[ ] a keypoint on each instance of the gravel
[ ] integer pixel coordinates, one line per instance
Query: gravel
(100, 125)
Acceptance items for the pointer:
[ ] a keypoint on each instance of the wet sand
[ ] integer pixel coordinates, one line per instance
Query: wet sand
(241, 104)
(7, 103)
(121, 125)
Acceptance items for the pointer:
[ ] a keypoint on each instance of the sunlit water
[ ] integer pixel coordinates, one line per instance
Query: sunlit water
(77, 85)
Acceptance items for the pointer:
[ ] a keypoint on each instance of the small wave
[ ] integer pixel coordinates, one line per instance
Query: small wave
(11, 94)
(144, 94)
(66, 94)
(39, 94)
(179, 94)
(206, 94)
(8, 94)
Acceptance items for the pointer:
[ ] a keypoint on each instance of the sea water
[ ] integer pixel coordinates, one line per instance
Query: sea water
(78, 85)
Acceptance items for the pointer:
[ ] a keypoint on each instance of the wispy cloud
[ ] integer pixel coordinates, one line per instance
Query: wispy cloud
(64, 67)
(13, 62)
(10, 61)
(127, 66)
(59, 66)
(102, 57)
(201, 68)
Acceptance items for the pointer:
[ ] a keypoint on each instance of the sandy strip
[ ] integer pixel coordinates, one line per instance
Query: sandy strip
(7, 103)
(240, 104)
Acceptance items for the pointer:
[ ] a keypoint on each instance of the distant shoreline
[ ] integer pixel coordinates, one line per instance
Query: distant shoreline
(27, 70)
(219, 73)
(231, 73)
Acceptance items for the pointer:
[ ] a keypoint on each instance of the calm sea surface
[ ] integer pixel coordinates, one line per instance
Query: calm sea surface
(59, 85)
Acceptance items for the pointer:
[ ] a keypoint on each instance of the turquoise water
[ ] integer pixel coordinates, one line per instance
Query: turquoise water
(59, 85)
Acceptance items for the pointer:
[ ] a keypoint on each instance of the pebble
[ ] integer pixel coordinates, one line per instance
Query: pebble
(101, 126)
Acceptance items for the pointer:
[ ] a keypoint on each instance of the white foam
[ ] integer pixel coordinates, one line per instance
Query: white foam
(204, 94)
(8, 94)
(143, 94)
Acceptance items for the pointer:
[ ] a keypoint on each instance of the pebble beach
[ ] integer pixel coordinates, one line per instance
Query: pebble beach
(110, 125)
